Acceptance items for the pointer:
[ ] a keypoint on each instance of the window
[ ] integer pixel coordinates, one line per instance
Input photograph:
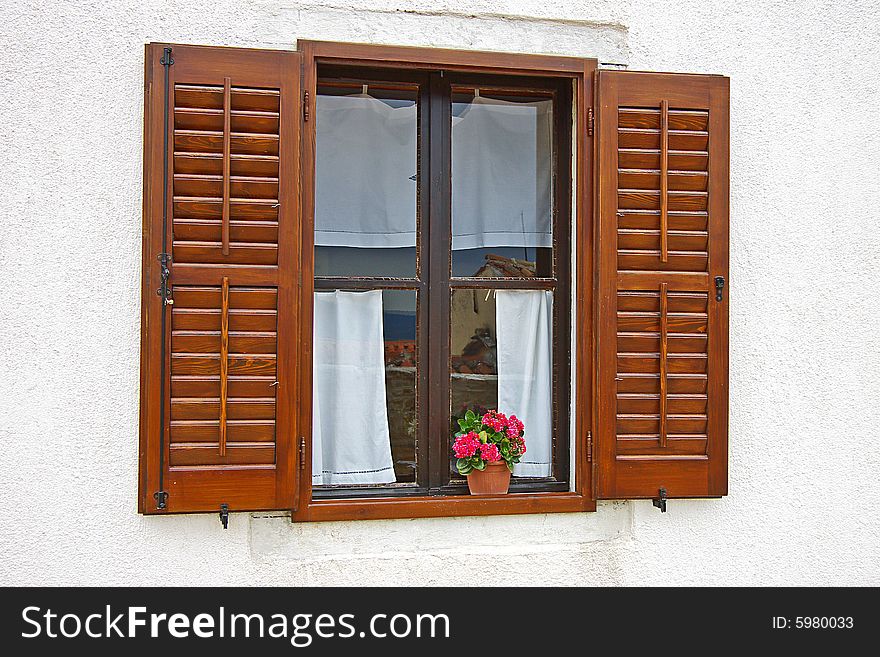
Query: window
(465, 269)
(347, 246)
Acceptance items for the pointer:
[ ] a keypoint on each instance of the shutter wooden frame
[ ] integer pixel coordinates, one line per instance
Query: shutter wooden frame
(226, 269)
(635, 269)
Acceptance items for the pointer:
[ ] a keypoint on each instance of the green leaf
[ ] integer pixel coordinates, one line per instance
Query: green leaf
(464, 466)
(470, 416)
(462, 425)
(484, 437)
(479, 464)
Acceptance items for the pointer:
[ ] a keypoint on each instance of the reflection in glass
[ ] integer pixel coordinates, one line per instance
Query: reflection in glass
(364, 420)
(501, 358)
(366, 181)
(502, 206)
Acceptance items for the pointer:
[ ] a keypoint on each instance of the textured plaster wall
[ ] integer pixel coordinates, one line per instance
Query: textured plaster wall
(804, 268)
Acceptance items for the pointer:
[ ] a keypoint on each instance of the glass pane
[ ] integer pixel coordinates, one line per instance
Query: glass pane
(501, 358)
(366, 180)
(502, 184)
(400, 334)
(364, 425)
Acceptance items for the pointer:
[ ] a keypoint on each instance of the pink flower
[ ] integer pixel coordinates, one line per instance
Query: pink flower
(514, 426)
(490, 452)
(467, 445)
(495, 421)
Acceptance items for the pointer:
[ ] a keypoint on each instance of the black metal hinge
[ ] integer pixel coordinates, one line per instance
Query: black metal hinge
(591, 121)
(167, 59)
(224, 515)
(161, 498)
(660, 502)
(305, 106)
(164, 290)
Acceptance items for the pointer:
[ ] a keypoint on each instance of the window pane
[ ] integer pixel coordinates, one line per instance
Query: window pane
(502, 196)
(364, 424)
(502, 358)
(366, 180)
(400, 335)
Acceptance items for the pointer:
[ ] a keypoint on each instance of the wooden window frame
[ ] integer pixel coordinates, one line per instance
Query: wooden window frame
(434, 281)
(580, 71)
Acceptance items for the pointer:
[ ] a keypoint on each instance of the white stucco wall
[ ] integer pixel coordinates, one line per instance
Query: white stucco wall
(804, 272)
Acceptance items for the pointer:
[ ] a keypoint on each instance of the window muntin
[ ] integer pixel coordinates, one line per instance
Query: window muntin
(435, 257)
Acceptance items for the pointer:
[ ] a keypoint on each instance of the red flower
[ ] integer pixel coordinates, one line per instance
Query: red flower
(467, 445)
(495, 421)
(514, 426)
(490, 452)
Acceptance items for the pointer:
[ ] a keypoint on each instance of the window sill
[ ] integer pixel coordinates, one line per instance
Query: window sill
(434, 507)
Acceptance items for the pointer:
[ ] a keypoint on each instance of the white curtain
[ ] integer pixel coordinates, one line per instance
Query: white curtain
(524, 326)
(501, 175)
(365, 180)
(350, 436)
(366, 174)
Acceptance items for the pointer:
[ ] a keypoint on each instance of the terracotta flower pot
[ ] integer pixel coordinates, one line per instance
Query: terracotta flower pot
(494, 480)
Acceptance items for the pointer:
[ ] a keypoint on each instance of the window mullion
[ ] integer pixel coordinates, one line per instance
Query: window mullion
(439, 240)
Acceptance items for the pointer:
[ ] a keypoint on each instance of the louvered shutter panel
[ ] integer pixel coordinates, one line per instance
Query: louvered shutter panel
(663, 151)
(218, 418)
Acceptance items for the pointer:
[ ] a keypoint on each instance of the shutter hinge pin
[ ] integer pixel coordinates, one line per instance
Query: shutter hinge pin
(224, 515)
(167, 59)
(591, 121)
(589, 446)
(161, 498)
(302, 454)
(164, 290)
(305, 106)
(660, 502)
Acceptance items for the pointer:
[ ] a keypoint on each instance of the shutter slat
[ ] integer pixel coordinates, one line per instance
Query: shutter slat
(239, 208)
(240, 342)
(245, 408)
(649, 158)
(643, 403)
(209, 386)
(211, 141)
(212, 164)
(210, 230)
(677, 383)
(663, 233)
(650, 220)
(650, 179)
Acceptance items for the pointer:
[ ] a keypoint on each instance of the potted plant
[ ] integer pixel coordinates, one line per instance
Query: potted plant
(487, 448)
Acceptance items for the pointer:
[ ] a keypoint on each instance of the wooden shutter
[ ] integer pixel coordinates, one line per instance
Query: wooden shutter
(663, 150)
(218, 416)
